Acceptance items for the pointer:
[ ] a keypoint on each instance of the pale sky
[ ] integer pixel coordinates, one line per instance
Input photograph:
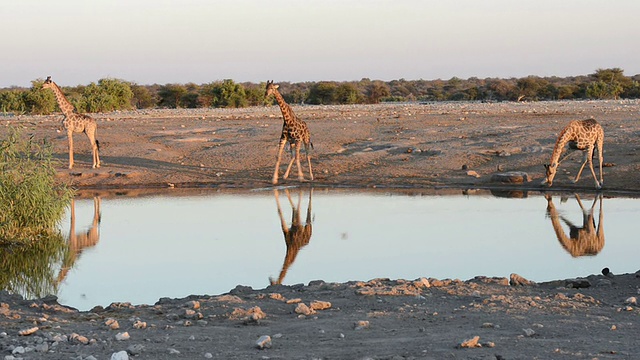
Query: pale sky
(200, 41)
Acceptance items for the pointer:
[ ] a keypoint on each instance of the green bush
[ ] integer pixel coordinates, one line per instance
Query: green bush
(31, 202)
(106, 95)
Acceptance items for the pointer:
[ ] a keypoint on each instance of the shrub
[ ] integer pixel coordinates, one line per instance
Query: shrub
(31, 203)
(107, 95)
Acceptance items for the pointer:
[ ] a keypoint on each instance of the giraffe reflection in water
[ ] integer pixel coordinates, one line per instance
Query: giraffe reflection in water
(79, 241)
(585, 240)
(297, 235)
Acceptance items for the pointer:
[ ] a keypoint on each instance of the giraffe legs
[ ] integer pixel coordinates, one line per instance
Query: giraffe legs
(275, 173)
(94, 147)
(588, 158)
(70, 137)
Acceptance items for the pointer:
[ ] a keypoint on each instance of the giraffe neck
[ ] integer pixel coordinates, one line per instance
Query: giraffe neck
(287, 112)
(63, 103)
(564, 137)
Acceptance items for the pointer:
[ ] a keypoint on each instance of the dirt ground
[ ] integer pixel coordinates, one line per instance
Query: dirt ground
(404, 146)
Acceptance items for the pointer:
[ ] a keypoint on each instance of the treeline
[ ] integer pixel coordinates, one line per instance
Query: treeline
(113, 94)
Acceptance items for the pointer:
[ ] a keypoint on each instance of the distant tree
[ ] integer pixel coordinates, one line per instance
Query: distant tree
(347, 93)
(38, 100)
(171, 95)
(106, 95)
(12, 101)
(223, 94)
(607, 84)
(254, 94)
(323, 93)
(142, 98)
(376, 91)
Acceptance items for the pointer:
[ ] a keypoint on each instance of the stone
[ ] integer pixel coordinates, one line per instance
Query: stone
(471, 343)
(319, 305)
(173, 351)
(18, 350)
(517, 280)
(208, 355)
(139, 324)
(29, 331)
(577, 283)
(122, 336)
(44, 347)
(529, 332)
(631, 301)
(264, 342)
(362, 324)
(473, 173)
(303, 309)
(79, 338)
(510, 177)
(135, 349)
(112, 324)
(120, 355)
(422, 283)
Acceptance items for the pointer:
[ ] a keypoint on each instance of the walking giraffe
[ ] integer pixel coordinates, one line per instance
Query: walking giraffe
(75, 122)
(582, 135)
(294, 131)
(296, 236)
(582, 240)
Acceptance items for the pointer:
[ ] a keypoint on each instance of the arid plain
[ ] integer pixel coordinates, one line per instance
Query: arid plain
(417, 147)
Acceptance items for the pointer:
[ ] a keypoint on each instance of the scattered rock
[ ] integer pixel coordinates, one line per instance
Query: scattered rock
(29, 331)
(362, 324)
(135, 349)
(78, 338)
(173, 351)
(529, 332)
(631, 301)
(112, 324)
(139, 324)
(264, 342)
(120, 355)
(577, 283)
(303, 309)
(122, 336)
(517, 280)
(473, 173)
(470, 343)
(510, 177)
(319, 305)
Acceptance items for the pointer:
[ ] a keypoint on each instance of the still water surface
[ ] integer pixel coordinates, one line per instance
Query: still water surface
(166, 246)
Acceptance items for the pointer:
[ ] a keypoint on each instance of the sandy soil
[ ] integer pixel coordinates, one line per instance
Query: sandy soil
(417, 146)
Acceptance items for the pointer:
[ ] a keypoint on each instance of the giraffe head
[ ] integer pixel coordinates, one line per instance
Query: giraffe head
(550, 173)
(48, 84)
(271, 88)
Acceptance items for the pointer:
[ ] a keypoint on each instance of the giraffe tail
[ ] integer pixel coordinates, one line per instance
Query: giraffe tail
(98, 144)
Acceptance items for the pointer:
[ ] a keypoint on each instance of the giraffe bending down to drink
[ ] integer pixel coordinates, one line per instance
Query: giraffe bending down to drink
(296, 236)
(582, 240)
(582, 135)
(75, 122)
(294, 131)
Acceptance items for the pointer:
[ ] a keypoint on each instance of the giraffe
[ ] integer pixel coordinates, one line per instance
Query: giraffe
(294, 131)
(296, 236)
(582, 135)
(75, 122)
(78, 241)
(582, 240)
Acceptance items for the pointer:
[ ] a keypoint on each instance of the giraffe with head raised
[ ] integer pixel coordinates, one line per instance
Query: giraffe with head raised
(582, 240)
(583, 135)
(297, 235)
(295, 132)
(75, 122)
(81, 240)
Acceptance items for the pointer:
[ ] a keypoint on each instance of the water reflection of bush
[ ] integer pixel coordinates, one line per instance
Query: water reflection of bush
(297, 235)
(585, 240)
(29, 269)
